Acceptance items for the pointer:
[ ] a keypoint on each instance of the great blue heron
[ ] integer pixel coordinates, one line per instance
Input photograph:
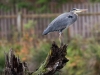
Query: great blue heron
(63, 21)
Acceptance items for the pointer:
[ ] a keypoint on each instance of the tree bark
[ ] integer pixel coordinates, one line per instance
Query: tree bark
(55, 61)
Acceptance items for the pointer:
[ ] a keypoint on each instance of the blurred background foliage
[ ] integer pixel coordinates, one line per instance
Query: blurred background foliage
(84, 54)
(36, 5)
(95, 0)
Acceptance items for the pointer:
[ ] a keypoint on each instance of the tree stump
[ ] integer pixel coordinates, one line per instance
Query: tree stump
(55, 61)
(13, 65)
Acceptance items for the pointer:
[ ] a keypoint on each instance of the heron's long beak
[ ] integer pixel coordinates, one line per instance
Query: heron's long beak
(80, 10)
(83, 10)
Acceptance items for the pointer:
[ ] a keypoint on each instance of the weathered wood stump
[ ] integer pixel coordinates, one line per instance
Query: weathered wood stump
(13, 65)
(54, 62)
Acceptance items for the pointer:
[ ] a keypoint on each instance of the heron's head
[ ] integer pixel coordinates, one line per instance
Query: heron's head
(75, 10)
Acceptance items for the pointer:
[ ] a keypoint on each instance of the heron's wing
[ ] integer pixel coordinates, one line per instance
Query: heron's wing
(62, 21)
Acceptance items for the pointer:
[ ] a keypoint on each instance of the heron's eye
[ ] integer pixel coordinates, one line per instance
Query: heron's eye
(74, 9)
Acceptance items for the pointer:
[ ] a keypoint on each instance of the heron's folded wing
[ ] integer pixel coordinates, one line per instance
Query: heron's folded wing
(60, 22)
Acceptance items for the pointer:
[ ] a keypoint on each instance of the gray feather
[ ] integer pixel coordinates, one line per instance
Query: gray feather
(46, 31)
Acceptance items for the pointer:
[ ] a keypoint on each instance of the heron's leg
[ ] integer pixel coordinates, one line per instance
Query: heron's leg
(60, 38)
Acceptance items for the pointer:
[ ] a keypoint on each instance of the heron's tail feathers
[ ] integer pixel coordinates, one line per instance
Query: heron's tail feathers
(45, 32)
